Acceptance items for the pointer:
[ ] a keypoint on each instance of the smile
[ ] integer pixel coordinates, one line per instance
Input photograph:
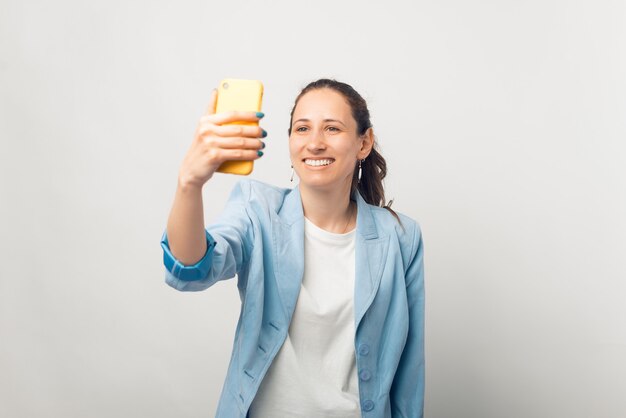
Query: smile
(317, 163)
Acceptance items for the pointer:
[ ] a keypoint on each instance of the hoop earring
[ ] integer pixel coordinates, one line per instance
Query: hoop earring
(292, 171)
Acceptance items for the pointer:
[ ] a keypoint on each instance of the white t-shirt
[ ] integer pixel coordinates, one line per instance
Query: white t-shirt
(314, 373)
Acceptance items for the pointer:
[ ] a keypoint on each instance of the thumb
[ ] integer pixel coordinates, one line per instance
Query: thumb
(212, 103)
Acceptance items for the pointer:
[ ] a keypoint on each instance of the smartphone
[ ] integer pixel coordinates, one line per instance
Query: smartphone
(240, 95)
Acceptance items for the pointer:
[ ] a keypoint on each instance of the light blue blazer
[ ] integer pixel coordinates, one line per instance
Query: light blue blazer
(260, 238)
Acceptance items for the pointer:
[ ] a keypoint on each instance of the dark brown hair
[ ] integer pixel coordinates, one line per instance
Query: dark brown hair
(374, 167)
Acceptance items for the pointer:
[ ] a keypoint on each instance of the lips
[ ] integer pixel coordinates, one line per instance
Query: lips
(318, 162)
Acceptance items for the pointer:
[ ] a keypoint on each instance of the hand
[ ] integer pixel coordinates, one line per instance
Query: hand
(215, 143)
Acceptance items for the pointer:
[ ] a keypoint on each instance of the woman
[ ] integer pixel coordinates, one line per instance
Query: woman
(331, 283)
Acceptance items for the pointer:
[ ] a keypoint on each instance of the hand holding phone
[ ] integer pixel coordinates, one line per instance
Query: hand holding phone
(226, 141)
(235, 95)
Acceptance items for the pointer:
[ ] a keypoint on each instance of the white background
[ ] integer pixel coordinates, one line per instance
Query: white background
(503, 124)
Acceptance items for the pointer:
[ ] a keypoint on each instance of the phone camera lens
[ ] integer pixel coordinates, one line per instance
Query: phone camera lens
(225, 85)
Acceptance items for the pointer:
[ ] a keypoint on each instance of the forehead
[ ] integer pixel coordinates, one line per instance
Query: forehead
(323, 103)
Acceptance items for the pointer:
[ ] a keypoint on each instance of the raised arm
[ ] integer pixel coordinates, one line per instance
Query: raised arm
(213, 144)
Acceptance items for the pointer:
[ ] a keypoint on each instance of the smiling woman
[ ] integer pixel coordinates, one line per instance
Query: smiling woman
(325, 146)
(340, 114)
(331, 279)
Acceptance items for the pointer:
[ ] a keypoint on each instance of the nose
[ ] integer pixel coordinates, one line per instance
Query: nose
(317, 141)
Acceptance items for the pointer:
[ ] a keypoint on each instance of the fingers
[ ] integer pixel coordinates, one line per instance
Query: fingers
(207, 128)
(224, 139)
(212, 103)
(239, 143)
(233, 116)
(239, 155)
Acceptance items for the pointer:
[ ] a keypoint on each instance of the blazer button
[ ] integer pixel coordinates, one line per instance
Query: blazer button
(368, 405)
(365, 375)
(364, 349)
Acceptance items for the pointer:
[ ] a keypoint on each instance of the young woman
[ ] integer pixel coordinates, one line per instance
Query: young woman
(331, 280)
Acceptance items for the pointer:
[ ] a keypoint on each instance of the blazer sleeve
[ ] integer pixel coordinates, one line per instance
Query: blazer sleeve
(229, 240)
(407, 391)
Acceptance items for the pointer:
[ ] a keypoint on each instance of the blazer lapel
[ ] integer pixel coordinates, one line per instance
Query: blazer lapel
(288, 235)
(370, 254)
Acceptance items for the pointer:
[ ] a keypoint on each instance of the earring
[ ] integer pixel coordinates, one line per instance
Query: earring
(291, 180)
(360, 169)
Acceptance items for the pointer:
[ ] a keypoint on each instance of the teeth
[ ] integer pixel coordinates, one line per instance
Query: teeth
(316, 163)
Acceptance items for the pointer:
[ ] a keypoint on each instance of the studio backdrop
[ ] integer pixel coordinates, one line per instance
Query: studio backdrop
(503, 124)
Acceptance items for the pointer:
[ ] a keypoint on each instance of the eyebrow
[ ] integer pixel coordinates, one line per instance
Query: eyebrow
(325, 120)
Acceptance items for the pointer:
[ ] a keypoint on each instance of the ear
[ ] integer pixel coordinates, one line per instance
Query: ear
(367, 143)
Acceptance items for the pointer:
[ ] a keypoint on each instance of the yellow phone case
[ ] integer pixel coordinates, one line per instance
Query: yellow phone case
(240, 95)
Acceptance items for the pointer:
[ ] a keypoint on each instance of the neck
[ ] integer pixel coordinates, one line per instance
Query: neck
(329, 209)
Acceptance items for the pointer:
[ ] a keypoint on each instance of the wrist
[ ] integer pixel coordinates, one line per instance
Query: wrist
(187, 185)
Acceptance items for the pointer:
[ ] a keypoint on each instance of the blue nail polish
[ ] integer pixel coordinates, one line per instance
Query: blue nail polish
(264, 133)
(262, 144)
(260, 153)
(260, 114)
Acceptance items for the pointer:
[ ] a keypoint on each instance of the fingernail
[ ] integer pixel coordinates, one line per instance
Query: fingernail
(264, 133)
(260, 153)
(260, 114)
(262, 144)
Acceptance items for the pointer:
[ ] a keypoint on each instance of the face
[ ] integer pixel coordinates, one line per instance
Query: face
(324, 144)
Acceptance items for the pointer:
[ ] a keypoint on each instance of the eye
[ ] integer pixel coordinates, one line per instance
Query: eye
(333, 129)
(301, 129)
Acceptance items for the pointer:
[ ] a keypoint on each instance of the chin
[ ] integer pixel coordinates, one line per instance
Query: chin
(320, 183)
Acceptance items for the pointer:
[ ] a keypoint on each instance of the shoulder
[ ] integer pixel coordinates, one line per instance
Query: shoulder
(260, 194)
(404, 229)
(403, 226)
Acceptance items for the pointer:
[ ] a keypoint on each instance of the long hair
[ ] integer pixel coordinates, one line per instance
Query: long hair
(374, 167)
